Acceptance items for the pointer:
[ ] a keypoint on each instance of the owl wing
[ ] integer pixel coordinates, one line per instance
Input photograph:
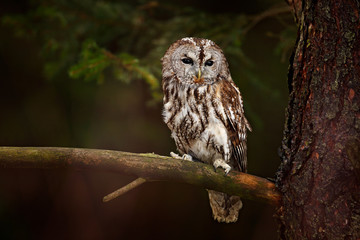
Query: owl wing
(237, 124)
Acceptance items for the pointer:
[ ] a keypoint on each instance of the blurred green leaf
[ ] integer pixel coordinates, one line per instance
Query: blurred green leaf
(92, 63)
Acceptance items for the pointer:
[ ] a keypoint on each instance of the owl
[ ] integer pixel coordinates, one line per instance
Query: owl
(203, 109)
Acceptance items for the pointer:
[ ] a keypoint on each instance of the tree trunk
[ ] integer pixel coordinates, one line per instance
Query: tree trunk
(320, 171)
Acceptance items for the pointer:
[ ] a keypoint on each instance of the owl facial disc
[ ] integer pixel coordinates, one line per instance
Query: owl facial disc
(195, 61)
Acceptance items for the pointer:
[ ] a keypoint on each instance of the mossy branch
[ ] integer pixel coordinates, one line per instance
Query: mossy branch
(148, 166)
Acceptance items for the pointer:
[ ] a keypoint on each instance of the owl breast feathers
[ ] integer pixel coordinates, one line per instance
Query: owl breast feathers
(203, 109)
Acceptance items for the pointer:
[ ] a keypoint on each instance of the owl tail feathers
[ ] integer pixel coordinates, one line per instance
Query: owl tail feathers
(225, 208)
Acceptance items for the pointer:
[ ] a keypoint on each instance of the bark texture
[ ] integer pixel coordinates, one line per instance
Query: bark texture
(319, 174)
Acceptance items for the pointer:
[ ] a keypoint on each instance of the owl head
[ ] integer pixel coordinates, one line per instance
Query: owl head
(195, 61)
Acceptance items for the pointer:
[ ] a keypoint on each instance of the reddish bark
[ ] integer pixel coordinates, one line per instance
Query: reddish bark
(320, 173)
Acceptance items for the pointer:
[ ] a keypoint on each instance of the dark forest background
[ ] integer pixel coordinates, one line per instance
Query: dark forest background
(87, 74)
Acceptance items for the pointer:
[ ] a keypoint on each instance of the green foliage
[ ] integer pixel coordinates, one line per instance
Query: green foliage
(124, 40)
(92, 64)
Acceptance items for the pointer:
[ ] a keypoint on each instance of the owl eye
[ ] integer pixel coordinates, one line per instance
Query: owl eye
(209, 63)
(187, 61)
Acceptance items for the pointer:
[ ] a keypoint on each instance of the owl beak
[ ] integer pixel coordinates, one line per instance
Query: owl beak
(198, 79)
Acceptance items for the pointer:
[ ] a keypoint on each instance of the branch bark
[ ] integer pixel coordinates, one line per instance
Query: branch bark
(148, 166)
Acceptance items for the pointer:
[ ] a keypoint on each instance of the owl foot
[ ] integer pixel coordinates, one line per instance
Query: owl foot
(221, 163)
(186, 157)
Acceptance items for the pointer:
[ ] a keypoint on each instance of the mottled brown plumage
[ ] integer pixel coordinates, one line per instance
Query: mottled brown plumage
(203, 109)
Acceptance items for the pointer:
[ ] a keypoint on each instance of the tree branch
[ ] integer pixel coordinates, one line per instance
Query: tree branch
(276, 10)
(148, 166)
(137, 182)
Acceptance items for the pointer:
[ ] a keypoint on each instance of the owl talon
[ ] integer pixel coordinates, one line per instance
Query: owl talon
(185, 157)
(175, 155)
(221, 163)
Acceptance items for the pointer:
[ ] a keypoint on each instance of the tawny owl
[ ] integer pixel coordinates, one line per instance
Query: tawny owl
(203, 109)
